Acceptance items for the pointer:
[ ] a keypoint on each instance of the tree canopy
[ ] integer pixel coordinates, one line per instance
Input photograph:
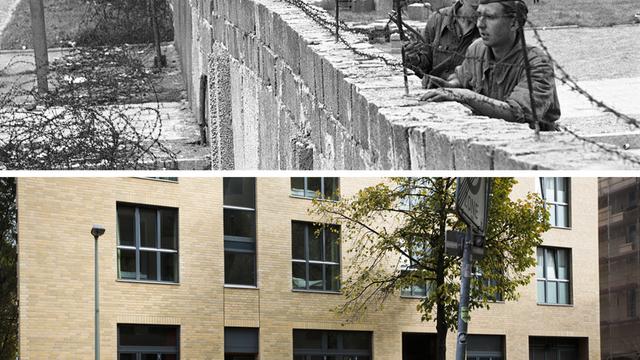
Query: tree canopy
(394, 234)
(8, 270)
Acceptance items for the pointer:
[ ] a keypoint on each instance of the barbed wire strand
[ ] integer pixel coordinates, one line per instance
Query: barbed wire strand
(321, 17)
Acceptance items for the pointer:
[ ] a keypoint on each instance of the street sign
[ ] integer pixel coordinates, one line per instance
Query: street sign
(472, 201)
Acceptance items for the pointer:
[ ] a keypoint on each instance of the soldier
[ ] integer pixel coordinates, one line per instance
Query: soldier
(492, 79)
(448, 33)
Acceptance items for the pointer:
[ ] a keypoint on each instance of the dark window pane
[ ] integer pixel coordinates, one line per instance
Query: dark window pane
(356, 340)
(127, 261)
(332, 244)
(127, 357)
(332, 340)
(307, 339)
(313, 186)
(126, 226)
(169, 266)
(299, 275)
(150, 356)
(297, 240)
(297, 186)
(148, 265)
(331, 188)
(169, 357)
(333, 277)
(148, 228)
(239, 268)
(315, 243)
(147, 335)
(240, 192)
(315, 277)
(239, 223)
(169, 229)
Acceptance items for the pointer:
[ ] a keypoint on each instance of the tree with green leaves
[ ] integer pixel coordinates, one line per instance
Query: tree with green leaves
(395, 233)
(8, 270)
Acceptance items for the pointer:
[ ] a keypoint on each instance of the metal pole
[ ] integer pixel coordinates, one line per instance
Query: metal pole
(337, 19)
(39, 40)
(156, 34)
(97, 301)
(402, 38)
(529, 83)
(463, 308)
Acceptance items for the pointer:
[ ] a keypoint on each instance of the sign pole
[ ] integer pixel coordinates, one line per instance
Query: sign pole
(463, 307)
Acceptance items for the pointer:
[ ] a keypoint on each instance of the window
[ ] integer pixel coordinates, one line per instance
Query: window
(421, 288)
(555, 192)
(148, 342)
(331, 345)
(239, 231)
(316, 256)
(240, 343)
(631, 233)
(543, 348)
(633, 201)
(485, 347)
(477, 274)
(312, 187)
(147, 243)
(553, 274)
(632, 304)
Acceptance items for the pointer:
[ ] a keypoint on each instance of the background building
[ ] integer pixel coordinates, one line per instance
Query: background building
(206, 268)
(619, 267)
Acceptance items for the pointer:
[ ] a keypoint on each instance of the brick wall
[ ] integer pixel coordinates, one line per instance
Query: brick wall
(56, 274)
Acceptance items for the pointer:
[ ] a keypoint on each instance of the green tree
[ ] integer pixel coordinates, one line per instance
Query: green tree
(397, 230)
(8, 270)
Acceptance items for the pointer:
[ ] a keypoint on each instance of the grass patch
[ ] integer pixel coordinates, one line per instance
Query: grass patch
(554, 12)
(87, 23)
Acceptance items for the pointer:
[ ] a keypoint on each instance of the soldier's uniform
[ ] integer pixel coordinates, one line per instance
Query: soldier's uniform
(447, 44)
(506, 80)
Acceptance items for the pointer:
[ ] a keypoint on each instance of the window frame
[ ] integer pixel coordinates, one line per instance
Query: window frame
(242, 239)
(308, 194)
(555, 204)
(143, 350)
(308, 227)
(411, 266)
(138, 248)
(546, 280)
(324, 348)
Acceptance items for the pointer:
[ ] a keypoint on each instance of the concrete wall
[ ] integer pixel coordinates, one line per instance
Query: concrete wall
(56, 274)
(283, 94)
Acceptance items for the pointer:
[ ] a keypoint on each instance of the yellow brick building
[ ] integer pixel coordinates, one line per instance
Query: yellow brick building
(162, 277)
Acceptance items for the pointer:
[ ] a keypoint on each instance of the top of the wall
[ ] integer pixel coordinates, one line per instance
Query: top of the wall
(396, 131)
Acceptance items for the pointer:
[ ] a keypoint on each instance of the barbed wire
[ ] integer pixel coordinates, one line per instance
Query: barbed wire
(81, 123)
(566, 79)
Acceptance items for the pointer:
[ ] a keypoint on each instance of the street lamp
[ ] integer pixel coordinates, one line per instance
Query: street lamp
(97, 231)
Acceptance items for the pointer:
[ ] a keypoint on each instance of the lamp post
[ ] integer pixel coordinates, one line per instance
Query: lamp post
(97, 231)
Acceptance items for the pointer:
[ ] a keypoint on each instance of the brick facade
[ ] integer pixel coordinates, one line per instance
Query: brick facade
(56, 274)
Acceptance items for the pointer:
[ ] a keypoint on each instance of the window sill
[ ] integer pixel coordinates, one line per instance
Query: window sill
(409, 297)
(247, 287)
(310, 198)
(148, 282)
(316, 291)
(160, 180)
(555, 305)
(560, 227)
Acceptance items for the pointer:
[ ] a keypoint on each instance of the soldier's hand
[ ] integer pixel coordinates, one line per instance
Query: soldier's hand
(413, 52)
(450, 94)
(432, 82)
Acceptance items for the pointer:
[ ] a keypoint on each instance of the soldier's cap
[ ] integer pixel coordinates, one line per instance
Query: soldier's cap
(515, 7)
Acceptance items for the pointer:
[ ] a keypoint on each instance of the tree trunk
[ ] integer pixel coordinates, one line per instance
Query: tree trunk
(441, 326)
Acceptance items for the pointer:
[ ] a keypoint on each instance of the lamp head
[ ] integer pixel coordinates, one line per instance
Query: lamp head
(97, 230)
